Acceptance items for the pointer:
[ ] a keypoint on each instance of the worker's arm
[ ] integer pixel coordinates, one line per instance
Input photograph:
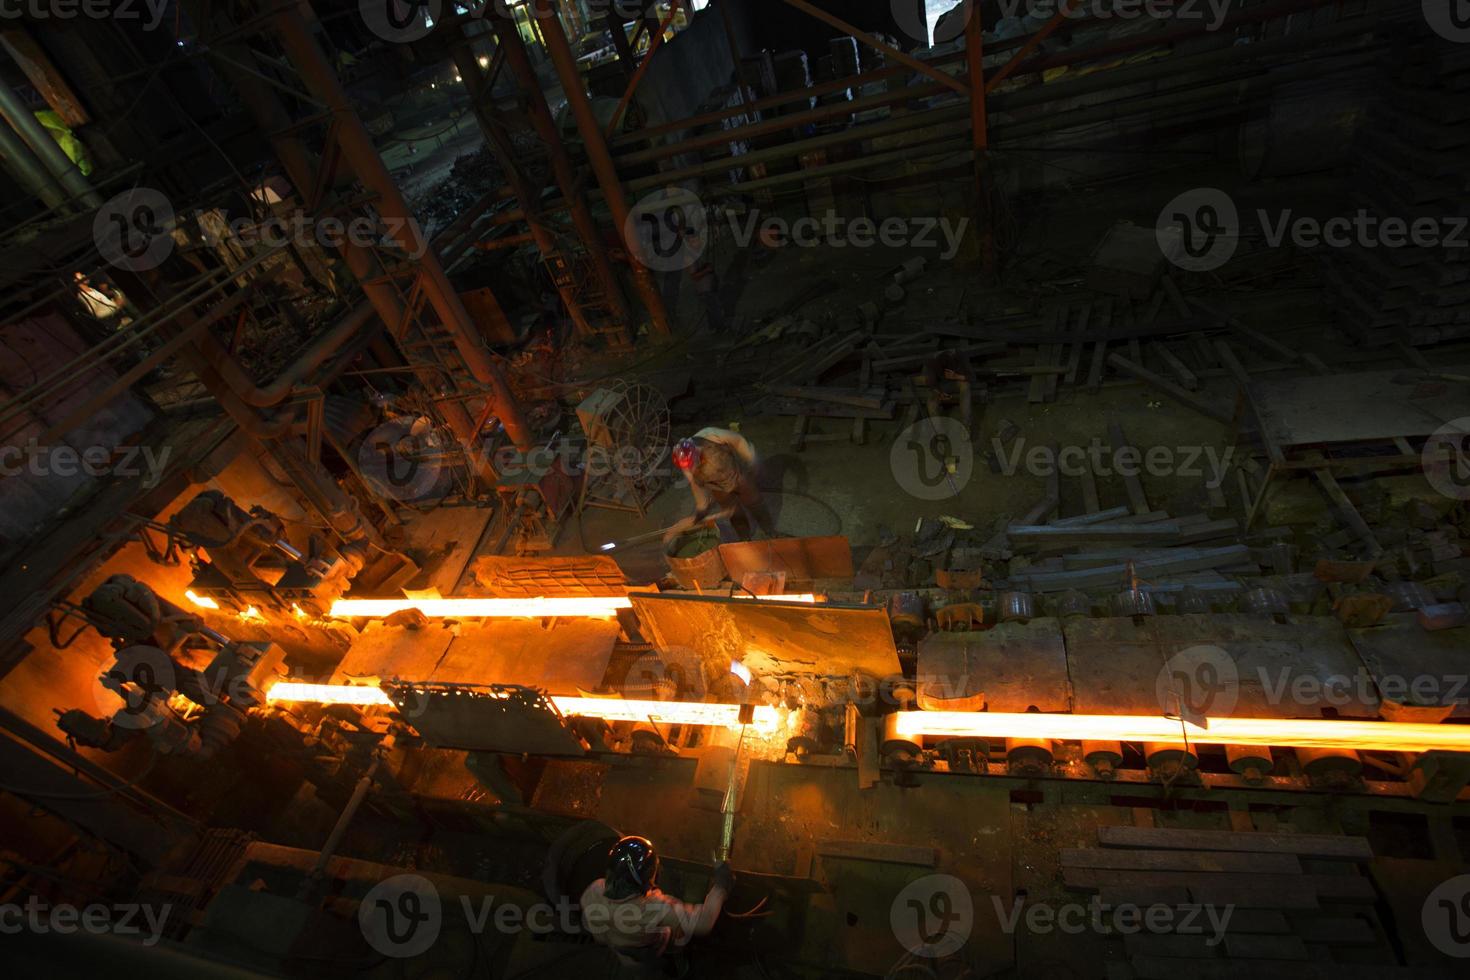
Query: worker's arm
(690, 921)
(702, 500)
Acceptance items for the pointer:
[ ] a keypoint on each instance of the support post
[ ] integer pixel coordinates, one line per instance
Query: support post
(565, 62)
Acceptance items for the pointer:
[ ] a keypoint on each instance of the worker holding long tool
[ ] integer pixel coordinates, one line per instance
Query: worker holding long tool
(721, 468)
(627, 912)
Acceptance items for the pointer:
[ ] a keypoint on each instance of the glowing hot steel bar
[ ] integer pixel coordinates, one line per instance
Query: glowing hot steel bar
(326, 693)
(1381, 736)
(595, 606)
(610, 709)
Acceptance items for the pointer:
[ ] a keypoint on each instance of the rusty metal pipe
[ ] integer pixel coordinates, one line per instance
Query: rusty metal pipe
(602, 163)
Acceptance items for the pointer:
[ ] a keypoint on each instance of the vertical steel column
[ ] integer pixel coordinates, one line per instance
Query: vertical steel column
(979, 125)
(298, 161)
(478, 87)
(359, 152)
(602, 162)
(747, 91)
(518, 60)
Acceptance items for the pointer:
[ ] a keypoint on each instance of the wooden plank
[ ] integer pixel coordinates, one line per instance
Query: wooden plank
(1090, 500)
(1346, 888)
(1095, 517)
(1347, 511)
(1247, 396)
(1236, 862)
(1136, 498)
(1302, 845)
(1043, 509)
(881, 851)
(1336, 930)
(871, 399)
(1074, 361)
(1036, 536)
(1186, 377)
(1185, 947)
(1187, 560)
(1172, 291)
(1171, 389)
(1265, 947)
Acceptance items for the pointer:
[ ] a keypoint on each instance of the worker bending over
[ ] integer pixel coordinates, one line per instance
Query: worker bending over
(720, 466)
(627, 912)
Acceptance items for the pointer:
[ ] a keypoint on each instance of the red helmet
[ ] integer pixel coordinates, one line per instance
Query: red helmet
(686, 454)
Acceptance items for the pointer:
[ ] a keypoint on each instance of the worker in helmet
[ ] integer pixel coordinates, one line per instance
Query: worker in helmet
(720, 466)
(626, 911)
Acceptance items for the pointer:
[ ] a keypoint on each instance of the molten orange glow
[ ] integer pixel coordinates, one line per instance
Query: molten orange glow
(610, 709)
(1380, 736)
(326, 693)
(602, 607)
(202, 601)
(798, 597)
(249, 613)
(668, 712)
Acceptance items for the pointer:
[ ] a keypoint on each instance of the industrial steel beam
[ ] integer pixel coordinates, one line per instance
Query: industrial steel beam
(888, 49)
(518, 60)
(359, 152)
(601, 160)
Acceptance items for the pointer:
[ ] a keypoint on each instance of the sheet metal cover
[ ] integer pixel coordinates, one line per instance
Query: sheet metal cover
(1016, 666)
(771, 637)
(802, 559)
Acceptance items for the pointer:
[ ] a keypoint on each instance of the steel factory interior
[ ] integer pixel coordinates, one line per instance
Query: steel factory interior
(735, 488)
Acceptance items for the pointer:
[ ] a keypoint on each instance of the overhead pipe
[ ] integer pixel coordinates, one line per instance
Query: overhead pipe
(25, 124)
(601, 160)
(28, 171)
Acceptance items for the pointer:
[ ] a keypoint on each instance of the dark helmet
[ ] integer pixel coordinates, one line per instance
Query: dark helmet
(686, 454)
(632, 867)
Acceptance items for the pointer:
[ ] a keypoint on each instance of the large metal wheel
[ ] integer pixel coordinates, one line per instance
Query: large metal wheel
(630, 436)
